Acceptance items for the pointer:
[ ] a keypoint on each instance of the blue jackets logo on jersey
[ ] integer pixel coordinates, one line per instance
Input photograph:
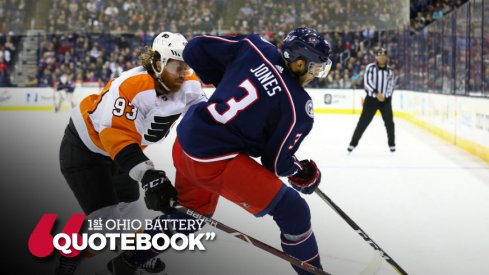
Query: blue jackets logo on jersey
(310, 108)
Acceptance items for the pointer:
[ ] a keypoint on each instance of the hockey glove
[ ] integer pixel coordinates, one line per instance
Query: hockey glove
(307, 179)
(160, 195)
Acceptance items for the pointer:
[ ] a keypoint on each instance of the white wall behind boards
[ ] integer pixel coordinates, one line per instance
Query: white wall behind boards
(463, 121)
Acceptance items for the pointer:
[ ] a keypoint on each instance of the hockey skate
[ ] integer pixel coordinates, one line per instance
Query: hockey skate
(153, 266)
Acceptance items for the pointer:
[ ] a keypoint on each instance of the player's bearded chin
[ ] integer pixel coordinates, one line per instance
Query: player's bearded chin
(302, 76)
(172, 81)
(300, 73)
(297, 72)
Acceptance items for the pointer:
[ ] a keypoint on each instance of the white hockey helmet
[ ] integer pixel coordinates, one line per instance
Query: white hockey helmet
(170, 46)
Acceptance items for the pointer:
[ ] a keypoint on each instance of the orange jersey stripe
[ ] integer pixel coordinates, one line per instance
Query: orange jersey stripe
(128, 111)
(190, 75)
(87, 106)
(123, 131)
(136, 84)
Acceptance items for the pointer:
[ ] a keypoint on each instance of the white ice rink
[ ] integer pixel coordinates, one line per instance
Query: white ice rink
(427, 205)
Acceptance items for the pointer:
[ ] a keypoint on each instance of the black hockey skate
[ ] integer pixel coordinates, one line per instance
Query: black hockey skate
(154, 265)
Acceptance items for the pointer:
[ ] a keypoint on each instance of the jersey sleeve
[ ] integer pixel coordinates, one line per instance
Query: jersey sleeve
(195, 93)
(208, 56)
(279, 153)
(394, 79)
(120, 137)
(368, 80)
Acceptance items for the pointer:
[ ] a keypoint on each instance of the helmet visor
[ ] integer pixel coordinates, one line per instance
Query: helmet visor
(319, 70)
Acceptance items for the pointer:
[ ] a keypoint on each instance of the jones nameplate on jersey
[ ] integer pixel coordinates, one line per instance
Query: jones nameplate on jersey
(267, 79)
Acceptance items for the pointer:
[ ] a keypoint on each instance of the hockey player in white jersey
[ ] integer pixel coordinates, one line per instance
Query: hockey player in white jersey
(101, 154)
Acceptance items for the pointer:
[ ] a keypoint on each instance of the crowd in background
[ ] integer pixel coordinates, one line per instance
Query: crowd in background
(342, 16)
(12, 16)
(8, 47)
(133, 16)
(85, 57)
(98, 55)
(424, 12)
(96, 40)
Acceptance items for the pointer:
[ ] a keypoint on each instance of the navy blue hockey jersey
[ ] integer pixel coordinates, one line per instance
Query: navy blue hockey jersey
(258, 108)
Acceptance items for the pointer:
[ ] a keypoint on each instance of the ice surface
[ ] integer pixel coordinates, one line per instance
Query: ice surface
(427, 205)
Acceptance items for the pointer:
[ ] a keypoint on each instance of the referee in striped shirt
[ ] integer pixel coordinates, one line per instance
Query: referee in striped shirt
(379, 85)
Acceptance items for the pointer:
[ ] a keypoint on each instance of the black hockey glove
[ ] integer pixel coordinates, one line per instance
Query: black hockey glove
(160, 195)
(307, 179)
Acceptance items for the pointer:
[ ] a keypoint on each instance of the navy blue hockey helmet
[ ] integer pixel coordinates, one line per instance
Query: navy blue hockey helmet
(306, 43)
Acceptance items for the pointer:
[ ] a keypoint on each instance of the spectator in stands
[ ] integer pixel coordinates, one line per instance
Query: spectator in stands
(4, 75)
(438, 13)
(357, 77)
(31, 80)
(5, 54)
(94, 52)
(10, 44)
(347, 82)
(486, 81)
(338, 82)
(111, 10)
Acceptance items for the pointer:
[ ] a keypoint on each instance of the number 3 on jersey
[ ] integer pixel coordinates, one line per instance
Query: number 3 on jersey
(120, 108)
(235, 106)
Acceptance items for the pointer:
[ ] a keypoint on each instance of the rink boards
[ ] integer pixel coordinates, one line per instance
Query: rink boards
(463, 121)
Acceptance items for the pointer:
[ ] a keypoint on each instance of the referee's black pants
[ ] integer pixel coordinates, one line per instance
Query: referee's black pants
(370, 106)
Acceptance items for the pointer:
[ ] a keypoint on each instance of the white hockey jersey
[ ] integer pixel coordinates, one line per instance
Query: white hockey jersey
(128, 111)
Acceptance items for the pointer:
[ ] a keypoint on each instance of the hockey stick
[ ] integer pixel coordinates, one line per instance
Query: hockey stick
(360, 232)
(303, 265)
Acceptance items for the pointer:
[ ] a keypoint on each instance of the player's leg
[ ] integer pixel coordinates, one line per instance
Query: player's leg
(293, 217)
(388, 117)
(56, 100)
(260, 192)
(190, 195)
(60, 99)
(69, 97)
(89, 177)
(251, 186)
(369, 108)
(127, 193)
(88, 174)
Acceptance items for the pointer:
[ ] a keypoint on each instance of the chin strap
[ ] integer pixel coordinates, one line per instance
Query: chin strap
(158, 75)
(158, 78)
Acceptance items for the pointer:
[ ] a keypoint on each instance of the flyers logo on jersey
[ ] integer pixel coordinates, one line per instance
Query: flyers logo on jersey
(160, 127)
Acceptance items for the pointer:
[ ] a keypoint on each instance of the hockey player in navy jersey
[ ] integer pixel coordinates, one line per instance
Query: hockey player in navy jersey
(259, 109)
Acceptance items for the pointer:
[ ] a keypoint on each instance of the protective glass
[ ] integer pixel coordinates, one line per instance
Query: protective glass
(319, 70)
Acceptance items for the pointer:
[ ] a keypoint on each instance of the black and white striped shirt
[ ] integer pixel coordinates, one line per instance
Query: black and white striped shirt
(377, 79)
